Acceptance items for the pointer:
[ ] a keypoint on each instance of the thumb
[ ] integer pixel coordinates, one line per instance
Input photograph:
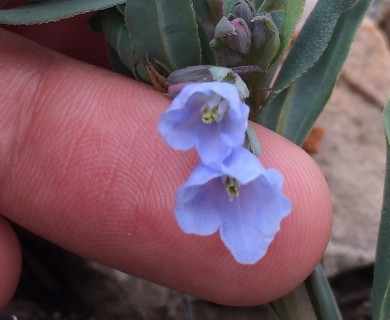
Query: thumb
(10, 261)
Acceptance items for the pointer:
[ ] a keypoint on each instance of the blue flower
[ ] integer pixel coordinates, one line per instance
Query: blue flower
(240, 198)
(209, 116)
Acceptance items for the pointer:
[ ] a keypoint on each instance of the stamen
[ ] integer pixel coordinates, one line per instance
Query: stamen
(214, 109)
(209, 115)
(232, 188)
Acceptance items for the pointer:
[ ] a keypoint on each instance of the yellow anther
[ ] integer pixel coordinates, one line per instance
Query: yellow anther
(209, 115)
(232, 188)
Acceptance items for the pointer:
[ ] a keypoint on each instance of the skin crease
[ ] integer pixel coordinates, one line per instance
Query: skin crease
(82, 165)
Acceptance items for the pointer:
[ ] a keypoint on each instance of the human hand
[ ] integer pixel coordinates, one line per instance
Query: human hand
(82, 165)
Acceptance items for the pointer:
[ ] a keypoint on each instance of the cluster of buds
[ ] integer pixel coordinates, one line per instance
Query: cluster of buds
(246, 37)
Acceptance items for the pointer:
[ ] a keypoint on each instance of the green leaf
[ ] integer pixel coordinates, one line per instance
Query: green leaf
(116, 64)
(228, 6)
(312, 300)
(53, 10)
(208, 13)
(164, 31)
(258, 3)
(294, 306)
(121, 8)
(273, 5)
(312, 40)
(293, 111)
(117, 35)
(292, 12)
(321, 296)
(381, 284)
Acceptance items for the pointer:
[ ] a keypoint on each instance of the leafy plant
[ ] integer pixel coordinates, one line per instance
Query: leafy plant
(150, 42)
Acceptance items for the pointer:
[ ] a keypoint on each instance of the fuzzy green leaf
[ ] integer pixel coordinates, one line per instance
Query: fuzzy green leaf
(258, 3)
(293, 111)
(116, 34)
(208, 13)
(228, 6)
(381, 285)
(312, 300)
(296, 305)
(291, 14)
(322, 299)
(52, 10)
(164, 31)
(312, 40)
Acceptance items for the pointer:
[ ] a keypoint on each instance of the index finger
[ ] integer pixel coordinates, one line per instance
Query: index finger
(84, 167)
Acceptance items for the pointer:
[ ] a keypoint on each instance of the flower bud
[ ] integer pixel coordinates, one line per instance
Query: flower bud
(241, 41)
(265, 40)
(190, 74)
(244, 9)
(234, 35)
(178, 79)
(229, 58)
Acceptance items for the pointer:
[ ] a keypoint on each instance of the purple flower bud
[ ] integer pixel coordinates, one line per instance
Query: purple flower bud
(178, 79)
(234, 35)
(245, 10)
(241, 40)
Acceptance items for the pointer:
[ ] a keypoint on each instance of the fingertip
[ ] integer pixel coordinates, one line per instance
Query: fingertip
(304, 184)
(10, 262)
(301, 242)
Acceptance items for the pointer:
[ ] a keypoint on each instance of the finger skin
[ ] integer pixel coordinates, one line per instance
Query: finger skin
(82, 165)
(10, 262)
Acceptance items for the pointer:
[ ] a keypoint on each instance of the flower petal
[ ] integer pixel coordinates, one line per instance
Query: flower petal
(252, 219)
(242, 165)
(196, 209)
(177, 124)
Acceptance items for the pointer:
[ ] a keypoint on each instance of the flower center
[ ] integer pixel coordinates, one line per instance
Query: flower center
(209, 115)
(214, 109)
(232, 188)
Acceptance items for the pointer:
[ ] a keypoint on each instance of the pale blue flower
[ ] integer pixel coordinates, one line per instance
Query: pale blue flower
(209, 116)
(240, 198)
